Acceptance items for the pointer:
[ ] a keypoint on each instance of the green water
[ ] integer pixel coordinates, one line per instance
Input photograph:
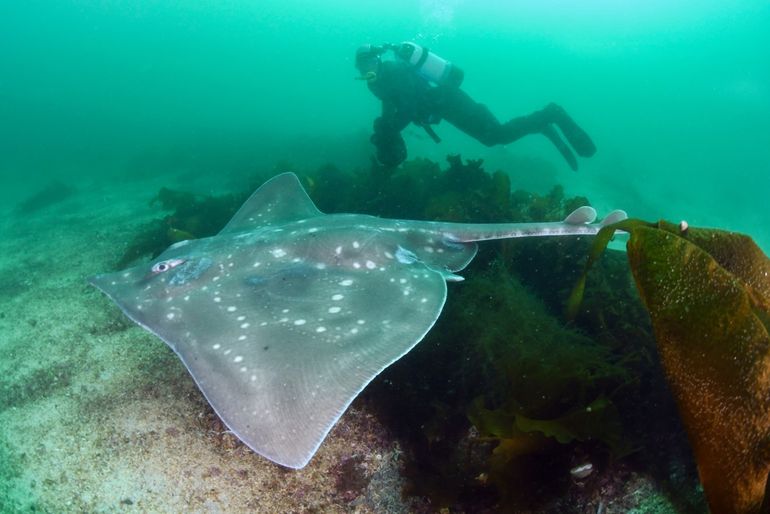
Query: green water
(114, 99)
(675, 94)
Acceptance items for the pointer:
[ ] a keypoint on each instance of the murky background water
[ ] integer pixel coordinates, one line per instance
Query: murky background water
(676, 95)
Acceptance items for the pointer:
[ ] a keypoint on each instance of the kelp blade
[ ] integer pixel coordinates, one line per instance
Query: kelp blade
(707, 294)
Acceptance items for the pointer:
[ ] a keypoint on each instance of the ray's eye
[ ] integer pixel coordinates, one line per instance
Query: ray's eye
(160, 267)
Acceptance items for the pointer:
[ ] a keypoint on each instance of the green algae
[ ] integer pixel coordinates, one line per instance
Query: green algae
(547, 389)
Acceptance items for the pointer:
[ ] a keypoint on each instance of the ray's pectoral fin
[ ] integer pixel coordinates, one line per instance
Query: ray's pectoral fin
(280, 355)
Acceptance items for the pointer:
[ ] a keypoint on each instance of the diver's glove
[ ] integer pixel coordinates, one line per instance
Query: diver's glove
(390, 146)
(391, 151)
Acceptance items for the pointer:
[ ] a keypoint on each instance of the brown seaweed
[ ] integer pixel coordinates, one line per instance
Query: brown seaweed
(708, 295)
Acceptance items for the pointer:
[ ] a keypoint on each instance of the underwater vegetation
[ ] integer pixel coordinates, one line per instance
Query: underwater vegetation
(502, 399)
(708, 294)
(193, 216)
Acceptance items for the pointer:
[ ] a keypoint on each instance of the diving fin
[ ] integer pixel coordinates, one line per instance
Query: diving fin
(560, 145)
(576, 136)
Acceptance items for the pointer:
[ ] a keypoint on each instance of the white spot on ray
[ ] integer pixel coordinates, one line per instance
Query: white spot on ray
(245, 325)
(370, 265)
(346, 282)
(337, 297)
(217, 299)
(356, 245)
(299, 322)
(320, 329)
(232, 308)
(238, 358)
(217, 346)
(278, 253)
(170, 315)
(334, 310)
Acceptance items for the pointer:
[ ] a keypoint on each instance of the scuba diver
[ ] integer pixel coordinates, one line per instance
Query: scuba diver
(422, 88)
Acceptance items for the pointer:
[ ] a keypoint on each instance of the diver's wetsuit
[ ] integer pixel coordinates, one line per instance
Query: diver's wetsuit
(408, 98)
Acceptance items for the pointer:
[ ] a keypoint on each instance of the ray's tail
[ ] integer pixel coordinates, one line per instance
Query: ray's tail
(581, 221)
